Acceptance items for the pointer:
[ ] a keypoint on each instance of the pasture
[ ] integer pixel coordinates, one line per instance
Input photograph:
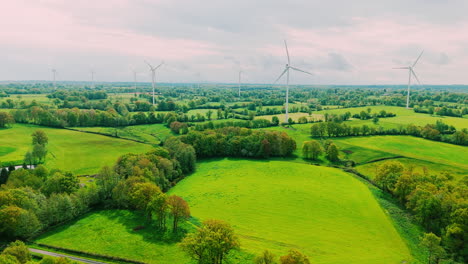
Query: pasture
(111, 232)
(80, 153)
(151, 134)
(324, 212)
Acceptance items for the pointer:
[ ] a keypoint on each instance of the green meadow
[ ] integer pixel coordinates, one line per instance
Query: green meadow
(324, 212)
(151, 134)
(80, 153)
(277, 205)
(111, 232)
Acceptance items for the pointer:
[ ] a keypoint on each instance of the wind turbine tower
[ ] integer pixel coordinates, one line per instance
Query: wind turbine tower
(92, 79)
(153, 74)
(410, 72)
(134, 79)
(286, 71)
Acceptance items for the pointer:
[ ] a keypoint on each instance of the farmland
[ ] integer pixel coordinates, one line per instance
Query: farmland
(80, 153)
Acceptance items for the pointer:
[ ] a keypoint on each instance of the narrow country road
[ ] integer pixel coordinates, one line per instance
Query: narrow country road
(53, 254)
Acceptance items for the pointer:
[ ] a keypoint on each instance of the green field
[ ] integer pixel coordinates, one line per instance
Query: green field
(40, 98)
(370, 169)
(403, 117)
(151, 134)
(324, 212)
(80, 153)
(407, 146)
(110, 232)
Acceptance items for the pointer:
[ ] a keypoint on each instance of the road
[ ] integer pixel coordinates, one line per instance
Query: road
(53, 254)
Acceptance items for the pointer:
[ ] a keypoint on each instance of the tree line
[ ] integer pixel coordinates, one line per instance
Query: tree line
(240, 142)
(438, 202)
(438, 131)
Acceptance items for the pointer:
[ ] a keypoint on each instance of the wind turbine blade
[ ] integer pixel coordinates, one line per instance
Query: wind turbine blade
(414, 64)
(285, 70)
(159, 65)
(287, 52)
(415, 76)
(296, 69)
(399, 68)
(151, 66)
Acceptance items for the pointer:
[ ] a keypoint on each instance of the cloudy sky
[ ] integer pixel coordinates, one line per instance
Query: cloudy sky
(341, 42)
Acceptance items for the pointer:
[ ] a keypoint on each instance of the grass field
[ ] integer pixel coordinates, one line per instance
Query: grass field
(412, 147)
(40, 98)
(369, 169)
(151, 134)
(324, 212)
(403, 117)
(110, 232)
(80, 153)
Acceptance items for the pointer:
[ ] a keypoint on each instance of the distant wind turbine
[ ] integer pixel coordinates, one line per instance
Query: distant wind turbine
(54, 72)
(92, 79)
(286, 70)
(239, 84)
(153, 74)
(411, 72)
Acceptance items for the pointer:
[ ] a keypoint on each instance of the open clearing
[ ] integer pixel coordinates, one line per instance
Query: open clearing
(80, 153)
(278, 205)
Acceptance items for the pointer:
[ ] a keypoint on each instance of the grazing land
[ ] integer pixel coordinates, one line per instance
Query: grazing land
(80, 153)
(324, 212)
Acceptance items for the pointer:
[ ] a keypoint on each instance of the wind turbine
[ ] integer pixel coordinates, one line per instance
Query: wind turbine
(92, 78)
(54, 72)
(286, 70)
(153, 74)
(411, 72)
(239, 84)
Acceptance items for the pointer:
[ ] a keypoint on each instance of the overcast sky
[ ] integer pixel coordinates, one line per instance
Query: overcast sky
(341, 42)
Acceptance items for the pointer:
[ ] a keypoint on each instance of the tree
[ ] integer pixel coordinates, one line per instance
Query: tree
(332, 153)
(210, 243)
(265, 258)
(39, 137)
(6, 119)
(294, 257)
(61, 183)
(18, 250)
(107, 179)
(39, 152)
(29, 158)
(3, 176)
(179, 209)
(432, 243)
(311, 149)
(158, 206)
(387, 175)
(275, 120)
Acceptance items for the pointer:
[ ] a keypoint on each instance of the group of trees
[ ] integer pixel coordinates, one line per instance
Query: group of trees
(438, 202)
(240, 142)
(6, 119)
(32, 200)
(313, 149)
(442, 111)
(438, 131)
(18, 253)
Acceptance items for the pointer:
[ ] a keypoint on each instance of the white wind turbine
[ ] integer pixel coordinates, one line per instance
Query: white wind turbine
(153, 74)
(54, 72)
(286, 70)
(92, 78)
(411, 72)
